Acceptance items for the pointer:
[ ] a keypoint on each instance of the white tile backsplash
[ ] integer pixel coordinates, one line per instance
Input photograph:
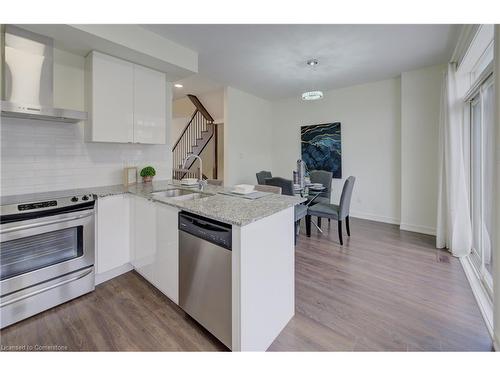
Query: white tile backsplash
(38, 156)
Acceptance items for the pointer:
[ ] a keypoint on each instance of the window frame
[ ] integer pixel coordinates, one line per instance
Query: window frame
(474, 96)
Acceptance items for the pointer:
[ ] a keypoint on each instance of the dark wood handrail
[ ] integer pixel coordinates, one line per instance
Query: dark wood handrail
(200, 107)
(185, 128)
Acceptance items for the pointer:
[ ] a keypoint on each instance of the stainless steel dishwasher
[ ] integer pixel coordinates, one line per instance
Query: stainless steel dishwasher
(205, 273)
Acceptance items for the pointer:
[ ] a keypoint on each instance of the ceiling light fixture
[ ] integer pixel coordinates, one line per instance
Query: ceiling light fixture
(178, 85)
(312, 95)
(312, 62)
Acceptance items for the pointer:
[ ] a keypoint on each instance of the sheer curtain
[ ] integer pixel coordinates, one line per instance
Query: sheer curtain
(453, 218)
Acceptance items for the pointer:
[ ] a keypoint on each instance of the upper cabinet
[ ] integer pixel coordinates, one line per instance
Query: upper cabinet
(150, 104)
(109, 99)
(127, 103)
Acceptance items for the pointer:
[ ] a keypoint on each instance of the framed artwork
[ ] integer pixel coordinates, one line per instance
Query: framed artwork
(321, 147)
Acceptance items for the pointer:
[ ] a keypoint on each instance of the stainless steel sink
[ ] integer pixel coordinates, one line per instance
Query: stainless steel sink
(171, 193)
(191, 196)
(179, 194)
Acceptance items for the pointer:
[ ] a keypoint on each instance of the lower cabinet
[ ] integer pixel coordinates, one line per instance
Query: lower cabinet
(143, 222)
(166, 265)
(155, 244)
(112, 233)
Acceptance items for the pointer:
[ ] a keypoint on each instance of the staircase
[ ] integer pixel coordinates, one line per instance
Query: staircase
(194, 138)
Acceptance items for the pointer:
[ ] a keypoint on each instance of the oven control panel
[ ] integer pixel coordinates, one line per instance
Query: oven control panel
(54, 203)
(82, 198)
(37, 205)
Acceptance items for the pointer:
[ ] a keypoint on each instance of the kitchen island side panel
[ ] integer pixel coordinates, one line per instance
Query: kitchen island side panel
(263, 280)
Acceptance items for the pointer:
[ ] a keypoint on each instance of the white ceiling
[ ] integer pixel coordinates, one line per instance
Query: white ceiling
(269, 60)
(196, 85)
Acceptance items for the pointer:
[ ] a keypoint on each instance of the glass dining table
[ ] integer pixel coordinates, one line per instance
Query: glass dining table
(310, 193)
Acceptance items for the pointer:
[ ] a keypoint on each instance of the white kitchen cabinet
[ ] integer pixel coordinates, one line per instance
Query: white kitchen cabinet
(126, 103)
(156, 245)
(166, 264)
(144, 237)
(113, 239)
(109, 99)
(150, 105)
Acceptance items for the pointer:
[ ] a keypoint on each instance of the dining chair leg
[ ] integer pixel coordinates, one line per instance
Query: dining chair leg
(297, 228)
(340, 232)
(308, 225)
(319, 222)
(347, 226)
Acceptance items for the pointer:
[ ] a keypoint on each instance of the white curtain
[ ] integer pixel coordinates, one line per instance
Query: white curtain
(453, 218)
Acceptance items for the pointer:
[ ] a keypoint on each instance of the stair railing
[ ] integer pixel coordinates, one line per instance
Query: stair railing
(193, 139)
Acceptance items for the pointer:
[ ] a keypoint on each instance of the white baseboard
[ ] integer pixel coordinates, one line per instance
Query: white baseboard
(482, 298)
(417, 228)
(391, 220)
(382, 219)
(108, 275)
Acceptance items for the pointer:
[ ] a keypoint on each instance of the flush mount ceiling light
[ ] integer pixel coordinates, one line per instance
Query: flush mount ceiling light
(312, 62)
(312, 95)
(178, 85)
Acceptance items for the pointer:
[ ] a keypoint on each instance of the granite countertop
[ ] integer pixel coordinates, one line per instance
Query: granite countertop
(228, 209)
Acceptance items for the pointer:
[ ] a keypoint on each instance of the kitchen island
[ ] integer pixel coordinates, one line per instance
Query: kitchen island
(262, 264)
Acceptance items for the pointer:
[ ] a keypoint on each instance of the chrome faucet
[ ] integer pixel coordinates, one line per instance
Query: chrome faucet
(201, 182)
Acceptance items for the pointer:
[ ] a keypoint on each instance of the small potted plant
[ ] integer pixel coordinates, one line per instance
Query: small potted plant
(147, 174)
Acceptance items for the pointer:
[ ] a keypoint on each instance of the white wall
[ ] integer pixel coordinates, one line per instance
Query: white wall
(69, 80)
(247, 136)
(370, 118)
(41, 156)
(420, 100)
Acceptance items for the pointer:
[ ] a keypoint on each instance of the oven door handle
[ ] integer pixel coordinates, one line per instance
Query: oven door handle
(49, 222)
(35, 292)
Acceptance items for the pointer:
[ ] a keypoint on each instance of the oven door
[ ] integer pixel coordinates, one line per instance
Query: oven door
(37, 250)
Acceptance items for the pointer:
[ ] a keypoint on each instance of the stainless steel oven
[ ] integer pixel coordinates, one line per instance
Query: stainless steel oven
(46, 255)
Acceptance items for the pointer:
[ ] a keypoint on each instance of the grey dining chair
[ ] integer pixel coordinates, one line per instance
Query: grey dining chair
(332, 211)
(324, 178)
(286, 186)
(262, 175)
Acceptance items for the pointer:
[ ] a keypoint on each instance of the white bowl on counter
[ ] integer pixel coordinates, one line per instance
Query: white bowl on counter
(243, 189)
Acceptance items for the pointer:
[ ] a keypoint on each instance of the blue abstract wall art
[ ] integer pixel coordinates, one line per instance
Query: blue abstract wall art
(322, 148)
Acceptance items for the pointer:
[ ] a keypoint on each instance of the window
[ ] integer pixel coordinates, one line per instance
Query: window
(482, 166)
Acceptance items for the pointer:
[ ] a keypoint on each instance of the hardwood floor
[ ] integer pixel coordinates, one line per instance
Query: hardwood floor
(125, 313)
(384, 290)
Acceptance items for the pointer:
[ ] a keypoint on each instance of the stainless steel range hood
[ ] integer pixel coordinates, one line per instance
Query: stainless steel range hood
(28, 78)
